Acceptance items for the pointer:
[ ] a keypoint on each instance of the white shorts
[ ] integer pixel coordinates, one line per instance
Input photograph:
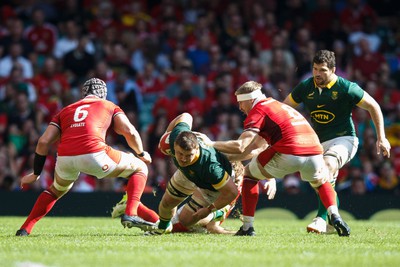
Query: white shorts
(342, 148)
(311, 168)
(98, 164)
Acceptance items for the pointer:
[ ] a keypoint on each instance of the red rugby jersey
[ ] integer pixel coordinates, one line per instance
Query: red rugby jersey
(84, 125)
(283, 127)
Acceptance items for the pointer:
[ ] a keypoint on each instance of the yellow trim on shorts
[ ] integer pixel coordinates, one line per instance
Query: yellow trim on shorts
(223, 182)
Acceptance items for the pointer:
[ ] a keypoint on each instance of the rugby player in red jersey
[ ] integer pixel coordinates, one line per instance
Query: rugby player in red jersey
(81, 129)
(293, 147)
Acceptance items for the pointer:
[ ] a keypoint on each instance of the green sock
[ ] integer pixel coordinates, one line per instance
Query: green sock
(163, 224)
(322, 212)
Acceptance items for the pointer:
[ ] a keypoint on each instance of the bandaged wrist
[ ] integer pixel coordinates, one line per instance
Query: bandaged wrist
(212, 207)
(38, 163)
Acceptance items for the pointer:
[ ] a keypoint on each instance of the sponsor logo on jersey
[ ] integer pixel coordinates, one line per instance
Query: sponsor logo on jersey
(320, 106)
(322, 116)
(334, 95)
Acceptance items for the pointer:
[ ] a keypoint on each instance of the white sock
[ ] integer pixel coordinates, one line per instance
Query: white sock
(247, 222)
(333, 210)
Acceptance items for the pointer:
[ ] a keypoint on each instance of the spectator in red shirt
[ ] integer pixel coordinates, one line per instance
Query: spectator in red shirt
(41, 34)
(104, 18)
(368, 64)
(53, 88)
(353, 14)
(15, 29)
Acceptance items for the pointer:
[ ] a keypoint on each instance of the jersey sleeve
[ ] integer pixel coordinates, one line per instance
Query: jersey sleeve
(356, 93)
(298, 92)
(55, 121)
(219, 177)
(254, 121)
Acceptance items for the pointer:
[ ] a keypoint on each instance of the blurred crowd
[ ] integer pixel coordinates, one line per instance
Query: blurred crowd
(162, 58)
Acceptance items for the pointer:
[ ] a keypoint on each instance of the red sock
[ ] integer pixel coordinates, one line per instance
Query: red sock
(327, 195)
(250, 194)
(146, 213)
(179, 228)
(135, 188)
(43, 205)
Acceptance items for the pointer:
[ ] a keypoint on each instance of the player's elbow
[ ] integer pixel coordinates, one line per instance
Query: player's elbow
(128, 130)
(43, 143)
(240, 147)
(233, 193)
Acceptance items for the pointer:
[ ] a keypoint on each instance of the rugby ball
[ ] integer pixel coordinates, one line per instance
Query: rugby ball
(164, 145)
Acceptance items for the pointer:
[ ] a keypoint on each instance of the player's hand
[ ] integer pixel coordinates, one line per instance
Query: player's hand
(270, 186)
(28, 179)
(206, 140)
(146, 158)
(384, 147)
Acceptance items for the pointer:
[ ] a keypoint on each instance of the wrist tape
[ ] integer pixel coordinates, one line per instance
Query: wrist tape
(38, 163)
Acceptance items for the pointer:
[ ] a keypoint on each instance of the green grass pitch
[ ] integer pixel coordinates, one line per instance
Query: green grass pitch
(73, 241)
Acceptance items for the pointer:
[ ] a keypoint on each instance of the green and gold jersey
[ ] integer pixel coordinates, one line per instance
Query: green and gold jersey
(210, 171)
(330, 108)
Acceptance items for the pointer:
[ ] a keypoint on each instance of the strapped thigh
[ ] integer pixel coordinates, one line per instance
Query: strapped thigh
(62, 188)
(342, 148)
(193, 205)
(179, 186)
(174, 192)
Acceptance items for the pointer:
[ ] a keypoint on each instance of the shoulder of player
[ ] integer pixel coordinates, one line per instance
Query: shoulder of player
(304, 86)
(306, 83)
(345, 85)
(209, 155)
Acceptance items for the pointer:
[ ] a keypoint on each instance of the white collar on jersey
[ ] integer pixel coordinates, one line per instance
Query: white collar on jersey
(258, 99)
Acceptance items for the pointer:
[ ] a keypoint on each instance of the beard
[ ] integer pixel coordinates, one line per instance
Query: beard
(320, 82)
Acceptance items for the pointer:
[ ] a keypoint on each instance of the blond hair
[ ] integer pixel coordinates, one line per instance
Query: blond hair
(248, 87)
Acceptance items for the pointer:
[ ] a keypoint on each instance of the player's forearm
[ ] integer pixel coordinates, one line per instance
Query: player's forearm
(135, 142)
(225, 199)
(237, 157)
(374, 110)
(228, 194)
(377, 119)
(231, 147)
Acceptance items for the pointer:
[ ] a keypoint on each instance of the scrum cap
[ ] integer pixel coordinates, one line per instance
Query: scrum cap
(94, 86)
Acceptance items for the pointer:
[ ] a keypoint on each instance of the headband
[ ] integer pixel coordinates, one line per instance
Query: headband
(248, 96)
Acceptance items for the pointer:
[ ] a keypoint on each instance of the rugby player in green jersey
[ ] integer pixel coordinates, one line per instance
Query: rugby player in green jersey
(330, 99)
(203, 173)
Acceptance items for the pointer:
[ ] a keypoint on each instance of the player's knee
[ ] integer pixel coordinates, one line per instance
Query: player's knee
(318, 182)
(331, 163)
(61, 189)
(136, 166)
(142, 167)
